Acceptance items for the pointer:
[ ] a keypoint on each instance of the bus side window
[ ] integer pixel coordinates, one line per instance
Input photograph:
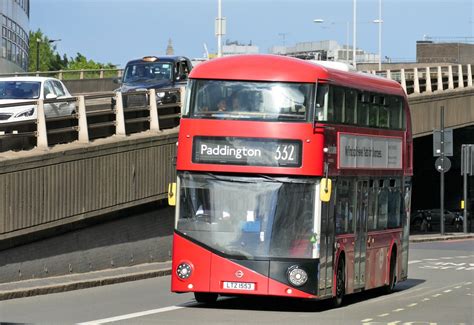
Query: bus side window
(394, 201)
(382, 205)
(395, 112)
(350, 101)
(373, 110)
(336, 104)
(321, 102)
(372, 216)
(383, 113)
(345, 206)
(362, 108)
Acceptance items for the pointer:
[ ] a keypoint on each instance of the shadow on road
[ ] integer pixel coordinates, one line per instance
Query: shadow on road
(265, 303)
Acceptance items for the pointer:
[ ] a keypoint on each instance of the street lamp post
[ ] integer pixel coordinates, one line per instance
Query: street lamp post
(346, 51)
(38, 42)
(379, 21)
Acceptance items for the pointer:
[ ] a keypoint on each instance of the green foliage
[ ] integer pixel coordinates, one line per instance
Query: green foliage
(50, 60)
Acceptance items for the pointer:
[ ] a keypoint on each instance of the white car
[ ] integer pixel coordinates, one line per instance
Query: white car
(20, 89)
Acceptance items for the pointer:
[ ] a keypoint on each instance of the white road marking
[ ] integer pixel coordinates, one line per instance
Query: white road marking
(383, 315)
(133, 315)
(446, 258)
(436, 295)
(415, 261)
(447, 291)
(366, 320)
(398, 309)
(457, 287)
(426, 299)
(412, 305)
(394, 323)
(431, 259)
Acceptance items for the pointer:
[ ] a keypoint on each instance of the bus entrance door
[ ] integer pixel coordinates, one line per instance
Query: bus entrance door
(361, 234)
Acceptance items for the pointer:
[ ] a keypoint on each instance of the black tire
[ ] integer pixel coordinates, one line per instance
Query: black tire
(205, 297)
(340, 284)
(392, 280)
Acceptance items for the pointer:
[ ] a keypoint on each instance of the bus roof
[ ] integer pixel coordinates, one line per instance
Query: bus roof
(266, 67)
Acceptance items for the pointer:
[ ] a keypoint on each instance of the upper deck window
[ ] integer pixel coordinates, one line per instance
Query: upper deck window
(337, 104)
(250, 100)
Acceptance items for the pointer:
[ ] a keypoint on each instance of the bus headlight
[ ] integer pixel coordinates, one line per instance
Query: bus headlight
(183, 271)
(297, 276)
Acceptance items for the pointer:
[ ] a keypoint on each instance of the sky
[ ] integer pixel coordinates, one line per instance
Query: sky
(116, 31)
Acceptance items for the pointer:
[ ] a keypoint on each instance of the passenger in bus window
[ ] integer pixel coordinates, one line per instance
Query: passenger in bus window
(222, 105)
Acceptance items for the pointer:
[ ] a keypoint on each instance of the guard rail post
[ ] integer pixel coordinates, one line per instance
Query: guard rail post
(81, 75)
(389, 74)
(41, 132)
(450, 77)
(460, 77)
(440, 79)
(119, 115)
(101, 74)
(82, 120)
(469, 75)
(154, 121)
(403, 80)
(428, 80)
(60, 75)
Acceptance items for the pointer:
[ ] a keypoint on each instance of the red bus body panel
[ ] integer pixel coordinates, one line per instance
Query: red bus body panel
(312, 144)
(210, 270)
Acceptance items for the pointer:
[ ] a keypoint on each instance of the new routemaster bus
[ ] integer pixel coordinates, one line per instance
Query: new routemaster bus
(293, 180)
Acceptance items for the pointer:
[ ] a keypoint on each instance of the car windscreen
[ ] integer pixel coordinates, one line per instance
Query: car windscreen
(250, 100)
(148, 71)
(19, 89)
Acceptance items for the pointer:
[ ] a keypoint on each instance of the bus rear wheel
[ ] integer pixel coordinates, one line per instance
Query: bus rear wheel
(340, 284)
(392, 280)
(205, 297)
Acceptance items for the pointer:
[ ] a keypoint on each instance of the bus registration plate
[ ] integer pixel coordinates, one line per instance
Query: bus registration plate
(249, 286)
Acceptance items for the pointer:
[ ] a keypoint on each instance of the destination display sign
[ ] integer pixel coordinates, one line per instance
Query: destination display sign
(247, 151)
(370, 152)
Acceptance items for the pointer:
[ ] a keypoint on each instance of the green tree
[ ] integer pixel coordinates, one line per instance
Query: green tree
(49, 59)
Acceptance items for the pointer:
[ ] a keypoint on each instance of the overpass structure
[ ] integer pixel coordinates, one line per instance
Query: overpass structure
(59, 185)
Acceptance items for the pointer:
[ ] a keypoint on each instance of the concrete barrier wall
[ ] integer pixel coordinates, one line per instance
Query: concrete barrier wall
(82, 86)
(425, 110)
(41, 190)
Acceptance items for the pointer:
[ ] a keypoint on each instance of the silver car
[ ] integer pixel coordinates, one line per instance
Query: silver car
(14, 90)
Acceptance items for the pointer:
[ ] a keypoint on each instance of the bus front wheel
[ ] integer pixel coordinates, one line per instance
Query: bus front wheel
(393, 279)
(340, 284)
(205, 297)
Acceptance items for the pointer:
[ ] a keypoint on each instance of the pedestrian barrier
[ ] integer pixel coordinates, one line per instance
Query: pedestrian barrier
(96, 116)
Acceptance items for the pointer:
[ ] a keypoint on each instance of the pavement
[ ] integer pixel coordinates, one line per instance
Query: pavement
(34, 287)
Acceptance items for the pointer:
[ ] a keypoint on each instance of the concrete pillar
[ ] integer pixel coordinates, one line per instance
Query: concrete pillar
(60, 76)
(154, 121)
(389, 74)
(119, 116)
(440, 79)
(469, 75)
(416, 80)
(374, 72)
(460, 77)
(450, 77)
(428, 80)
(41, 132)
(101, 74)
(81, 75)
(403, 80)
(82, 120)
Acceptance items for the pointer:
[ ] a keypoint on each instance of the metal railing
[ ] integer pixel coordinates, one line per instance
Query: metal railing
(430, 79)
(95, 116)
(71, 74)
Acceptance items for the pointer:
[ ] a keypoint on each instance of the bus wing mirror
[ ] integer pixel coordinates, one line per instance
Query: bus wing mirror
(172, 194)
(325, 189)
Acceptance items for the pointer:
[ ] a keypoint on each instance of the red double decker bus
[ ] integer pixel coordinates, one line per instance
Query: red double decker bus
(293, 180)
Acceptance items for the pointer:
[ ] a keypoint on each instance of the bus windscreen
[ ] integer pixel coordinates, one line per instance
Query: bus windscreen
(249, 100)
